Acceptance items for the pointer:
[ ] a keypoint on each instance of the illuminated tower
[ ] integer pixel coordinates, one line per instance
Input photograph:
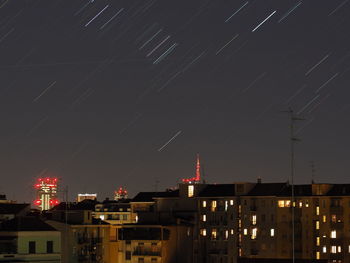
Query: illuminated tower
(46, 191)
(197, 178)
(121, 193)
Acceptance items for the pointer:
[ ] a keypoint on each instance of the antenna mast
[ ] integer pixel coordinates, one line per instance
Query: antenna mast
(293, 139)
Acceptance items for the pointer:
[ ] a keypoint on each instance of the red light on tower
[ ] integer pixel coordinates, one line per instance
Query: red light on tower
(46, 193)
(37, 202)
(121, 193)
(197, 177)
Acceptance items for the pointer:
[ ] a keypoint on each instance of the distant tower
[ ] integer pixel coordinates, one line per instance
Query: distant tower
(82, 197)
(46, 191)
(197, 178)
(121, 193)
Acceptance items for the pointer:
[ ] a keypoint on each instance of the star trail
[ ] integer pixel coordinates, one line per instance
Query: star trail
(125, 91)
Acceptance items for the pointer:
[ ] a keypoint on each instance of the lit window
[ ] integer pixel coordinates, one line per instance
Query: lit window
(318, 255)
(203, 232)
(102, 217)
(204, 219)
(324, 218)
(204, 204)
(300, 204)
(333, 234)
(317, 241)
(240, 238)
(254, 232)
(226, 234)
(190, 190)
(213, 205)
(239, 209)
(240, 252)
(317, 224)
(213, 234)
(349, 249)
(339, 249)
(280, 203)
(239, 223)
(284, 203)
(317, 210)
(253, 219)
(272, 232)
(232, 232)
(245, 231)
(334, 218)
(306, 203)
(226, 205)
(231, 202)
(324, 249)
(333, 249)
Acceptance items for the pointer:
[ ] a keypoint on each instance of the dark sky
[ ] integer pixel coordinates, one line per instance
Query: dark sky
(109, 93)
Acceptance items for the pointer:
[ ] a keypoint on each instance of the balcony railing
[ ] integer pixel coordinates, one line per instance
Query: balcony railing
(146, 252)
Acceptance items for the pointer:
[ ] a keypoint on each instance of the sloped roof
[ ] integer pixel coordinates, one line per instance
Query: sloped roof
(83, 205)
(212, 190)
(299, 190)
(339, 190)
(9, 208)
(25, 224)
(149, 196)
(267, 189)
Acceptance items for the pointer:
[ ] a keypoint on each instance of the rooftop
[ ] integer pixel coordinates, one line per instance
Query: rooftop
(212, 190)
(149, 196)
(25, 224)
(10, 208)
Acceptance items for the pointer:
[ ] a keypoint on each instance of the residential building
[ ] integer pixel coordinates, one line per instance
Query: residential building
(29, 239)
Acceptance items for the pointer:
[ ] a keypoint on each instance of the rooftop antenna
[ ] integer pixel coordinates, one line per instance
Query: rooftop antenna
(203, 174)
(156, 184)
(293, 139)
(313, 172)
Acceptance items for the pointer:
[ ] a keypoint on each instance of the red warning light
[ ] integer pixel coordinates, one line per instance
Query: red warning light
(37, 202)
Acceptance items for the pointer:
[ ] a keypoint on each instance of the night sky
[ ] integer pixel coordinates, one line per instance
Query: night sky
(108, 93)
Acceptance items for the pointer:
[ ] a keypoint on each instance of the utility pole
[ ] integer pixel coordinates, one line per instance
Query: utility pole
(293, 139)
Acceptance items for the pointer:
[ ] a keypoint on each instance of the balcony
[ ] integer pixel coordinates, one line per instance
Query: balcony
(214, 251)
(253, 208)
(336, 210)
(140, 251)
(337, 225)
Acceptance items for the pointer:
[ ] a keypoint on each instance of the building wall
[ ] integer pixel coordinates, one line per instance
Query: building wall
(41, 254)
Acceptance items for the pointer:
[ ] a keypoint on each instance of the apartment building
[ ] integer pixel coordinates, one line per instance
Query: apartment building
(29, 239)
(114, 212)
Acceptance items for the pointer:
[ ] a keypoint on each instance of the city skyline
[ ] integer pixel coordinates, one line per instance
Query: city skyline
(103, 94)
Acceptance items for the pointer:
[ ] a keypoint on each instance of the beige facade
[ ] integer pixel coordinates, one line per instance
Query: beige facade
(30, 246)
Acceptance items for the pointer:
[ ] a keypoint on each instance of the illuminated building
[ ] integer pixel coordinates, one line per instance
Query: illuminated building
(82, 197)
(46, 193)
(121, 193)
(197, 178)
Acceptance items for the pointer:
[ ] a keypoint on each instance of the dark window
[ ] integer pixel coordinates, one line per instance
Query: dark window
(141, 260)
(31, 247)
(49, 246)
(128, 255)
